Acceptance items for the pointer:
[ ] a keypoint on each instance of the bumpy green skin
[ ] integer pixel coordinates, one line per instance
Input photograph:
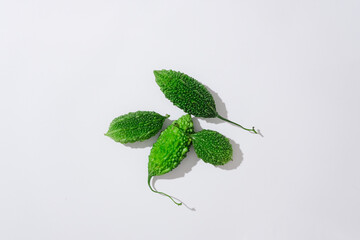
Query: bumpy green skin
(186, 93)
(212, 147)
(171, 147)
(185, 123)
(135, 126)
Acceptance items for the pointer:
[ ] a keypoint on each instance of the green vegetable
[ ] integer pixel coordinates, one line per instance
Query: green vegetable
(174, 142)
(170, 148)
(188, 94)
(135, 126)
(212, 147)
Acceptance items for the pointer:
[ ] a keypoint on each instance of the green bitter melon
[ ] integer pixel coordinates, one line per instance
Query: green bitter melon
(188, 94)
(212, 147)
(135, 126)
(170, 148)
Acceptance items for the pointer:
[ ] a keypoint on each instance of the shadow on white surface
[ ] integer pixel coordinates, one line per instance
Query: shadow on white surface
(259, 132)
(191, 160)
(237, 153)
(220, 108)
(237, 157)
(184, 167)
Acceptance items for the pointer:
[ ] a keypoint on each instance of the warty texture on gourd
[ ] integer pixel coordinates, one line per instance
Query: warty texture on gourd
(135, 126)
(212, 147)
(190, 95)
(170, 148)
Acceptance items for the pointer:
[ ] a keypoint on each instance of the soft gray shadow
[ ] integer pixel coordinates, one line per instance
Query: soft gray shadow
(191, 159)
(237, 157)
(149, 142)
(187, 163)
(237, 153)
(185, 205)
(220, 108)
(184, 167)
(197, 126)
(258, 131)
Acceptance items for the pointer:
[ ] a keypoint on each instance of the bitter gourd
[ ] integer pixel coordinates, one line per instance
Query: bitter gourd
(212, 147)
(170, 148)
(135, 126)
(188, 94)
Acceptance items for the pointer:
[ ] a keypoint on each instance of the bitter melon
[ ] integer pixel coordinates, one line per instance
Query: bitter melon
(135, 126)
(212, 147)
(170, 148)
(188, 94)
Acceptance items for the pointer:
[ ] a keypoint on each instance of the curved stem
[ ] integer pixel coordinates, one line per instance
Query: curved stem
(247, 129)
(149, 178)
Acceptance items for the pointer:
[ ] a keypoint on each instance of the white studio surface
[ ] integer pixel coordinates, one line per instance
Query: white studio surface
(289, 68)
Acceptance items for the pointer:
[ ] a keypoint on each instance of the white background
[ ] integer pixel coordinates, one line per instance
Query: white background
(290, 68)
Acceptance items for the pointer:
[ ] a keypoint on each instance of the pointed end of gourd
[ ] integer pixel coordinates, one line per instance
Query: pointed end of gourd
(108, 134)
(157, 73)
(161, 77)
